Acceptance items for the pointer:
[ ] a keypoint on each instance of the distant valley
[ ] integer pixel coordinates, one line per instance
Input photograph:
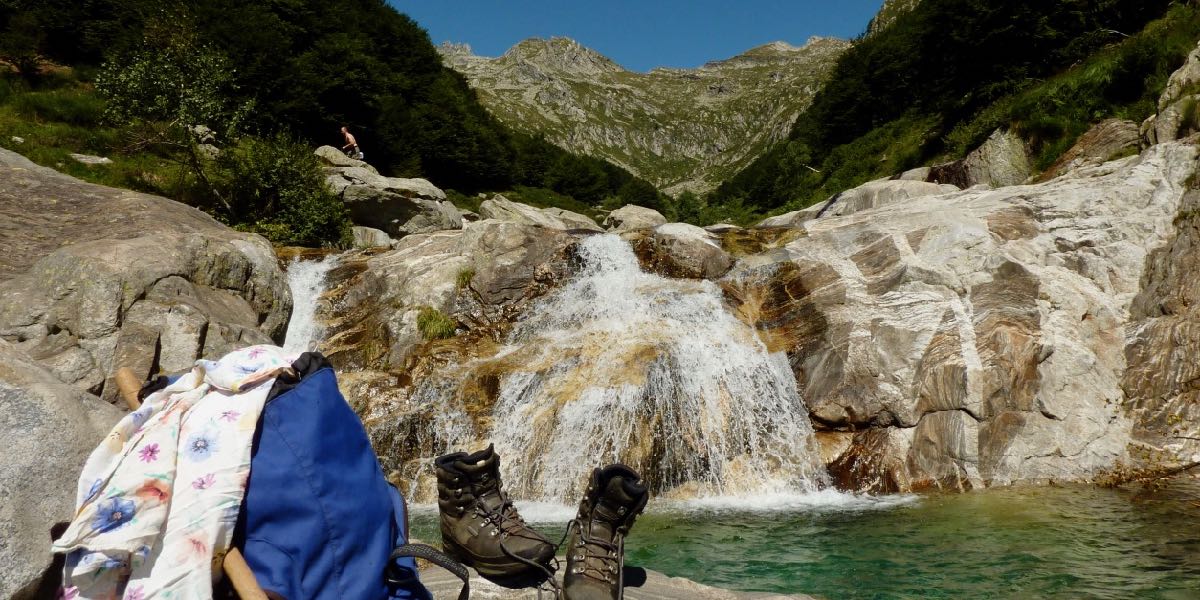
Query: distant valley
(681, 129)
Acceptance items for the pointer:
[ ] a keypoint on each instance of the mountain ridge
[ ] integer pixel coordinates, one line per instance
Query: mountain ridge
(680, 128)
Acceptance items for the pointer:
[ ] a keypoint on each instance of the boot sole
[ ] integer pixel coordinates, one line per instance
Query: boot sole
(493, 569)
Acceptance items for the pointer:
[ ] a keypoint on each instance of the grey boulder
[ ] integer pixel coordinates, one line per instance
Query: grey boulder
(49, 429)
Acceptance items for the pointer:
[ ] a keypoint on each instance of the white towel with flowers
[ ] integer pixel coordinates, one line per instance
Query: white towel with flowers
(158, 498)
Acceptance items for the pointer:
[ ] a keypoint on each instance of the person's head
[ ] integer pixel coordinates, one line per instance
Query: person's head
(344, 129)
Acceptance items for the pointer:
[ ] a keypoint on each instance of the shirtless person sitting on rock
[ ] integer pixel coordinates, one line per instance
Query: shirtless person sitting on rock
(351, 147)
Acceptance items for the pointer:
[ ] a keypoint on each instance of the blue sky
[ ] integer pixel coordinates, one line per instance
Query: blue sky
(641, 35)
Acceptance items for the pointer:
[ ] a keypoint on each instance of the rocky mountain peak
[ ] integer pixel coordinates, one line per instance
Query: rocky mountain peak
(560, 55)
(678, 128)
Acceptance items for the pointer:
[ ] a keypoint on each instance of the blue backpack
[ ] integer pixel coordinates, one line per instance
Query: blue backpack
(319, 520)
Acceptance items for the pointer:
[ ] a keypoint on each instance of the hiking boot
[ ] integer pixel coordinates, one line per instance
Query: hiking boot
(480, 526)
(596, 549)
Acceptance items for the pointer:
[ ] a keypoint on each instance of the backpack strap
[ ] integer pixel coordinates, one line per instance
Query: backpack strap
(400, 577)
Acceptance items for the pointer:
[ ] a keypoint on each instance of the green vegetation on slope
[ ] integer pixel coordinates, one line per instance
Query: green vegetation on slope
(942, 77)
(262, 76)
(679, 128)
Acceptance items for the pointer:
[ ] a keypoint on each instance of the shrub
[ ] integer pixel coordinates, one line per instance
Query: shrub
(275, 186)
(435, 324)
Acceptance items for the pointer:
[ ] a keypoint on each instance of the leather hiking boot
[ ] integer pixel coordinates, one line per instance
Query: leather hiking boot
(596, 548)
(480, 526)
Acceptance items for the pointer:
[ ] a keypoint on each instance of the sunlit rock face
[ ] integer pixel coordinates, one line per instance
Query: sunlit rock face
(982, 331)
(93, 279)
(1163, 345)
(958, 340)
(619, 365)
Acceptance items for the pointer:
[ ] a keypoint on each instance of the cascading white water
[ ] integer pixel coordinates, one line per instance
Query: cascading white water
(306, 278)
(624, 366)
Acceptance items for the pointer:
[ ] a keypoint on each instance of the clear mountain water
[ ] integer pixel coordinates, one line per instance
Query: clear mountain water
(1052, 542)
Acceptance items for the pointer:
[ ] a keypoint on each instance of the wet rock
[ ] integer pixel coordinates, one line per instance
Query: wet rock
(680, 250)
(95, 278)
(631, 216)
(1164, 339)
(476, 274)
(49, 429)
(1002, 160)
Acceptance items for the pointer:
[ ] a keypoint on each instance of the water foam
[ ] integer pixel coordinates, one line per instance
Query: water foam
(620, 365)
(306, 279)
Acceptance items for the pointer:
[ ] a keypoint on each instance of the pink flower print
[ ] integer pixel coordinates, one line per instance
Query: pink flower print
(196, 547)
(154, 492)
(230, 416)
(67, 593)
(255, 352)
(135, 593)
(149, 453)
(203, 483)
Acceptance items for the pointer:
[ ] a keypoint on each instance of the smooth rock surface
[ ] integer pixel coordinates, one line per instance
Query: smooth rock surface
(632, 216)
(49, 429)
(94, 278)
(795, 218)
(573, 220)
(501, 208)
(394, 205)
(444, 586)
(680, 250)
(982, 332)
(88, 159)
(1002, 160)
(334, 157)
(875, 194)
(368, 237)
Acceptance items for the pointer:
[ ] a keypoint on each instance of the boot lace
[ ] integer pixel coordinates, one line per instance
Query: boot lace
(506, 522)
(596, 558)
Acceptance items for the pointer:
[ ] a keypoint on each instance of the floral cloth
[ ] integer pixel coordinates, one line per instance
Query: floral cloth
(158, 498)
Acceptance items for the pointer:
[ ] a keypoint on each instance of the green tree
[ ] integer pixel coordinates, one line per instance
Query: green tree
(641, 193)
(275, 187)
(20, 44)
(177, 92)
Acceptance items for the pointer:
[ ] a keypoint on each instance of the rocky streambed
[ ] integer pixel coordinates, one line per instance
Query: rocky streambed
(906, 336)
(957, 340)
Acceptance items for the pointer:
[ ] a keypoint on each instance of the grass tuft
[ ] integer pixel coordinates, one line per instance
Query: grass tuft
(435, 324)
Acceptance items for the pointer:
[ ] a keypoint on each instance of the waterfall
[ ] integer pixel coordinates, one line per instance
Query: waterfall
(306, 278)
(620, 365)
